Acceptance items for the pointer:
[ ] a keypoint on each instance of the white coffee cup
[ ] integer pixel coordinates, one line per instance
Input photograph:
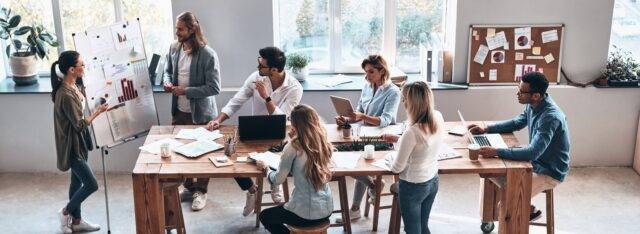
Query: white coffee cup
(368, 151)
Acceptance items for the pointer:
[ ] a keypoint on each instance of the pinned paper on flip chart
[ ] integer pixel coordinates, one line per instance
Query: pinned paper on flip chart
(536, 50)
(537, 57)
(481, 54)
(493, 74)
(549, 36)
(481, 74)
(523, 69)
(522, 38)
(519, 56)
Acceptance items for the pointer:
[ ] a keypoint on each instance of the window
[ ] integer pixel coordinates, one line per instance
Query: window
(38, 12)
(156, 23)
(625, 28)
(76, 16)
(338, 34)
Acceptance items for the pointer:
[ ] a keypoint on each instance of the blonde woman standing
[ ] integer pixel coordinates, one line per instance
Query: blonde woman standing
(307, 157)
(417, 161)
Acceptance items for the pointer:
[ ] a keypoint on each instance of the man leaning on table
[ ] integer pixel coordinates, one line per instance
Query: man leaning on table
(272, 91)
(548, 150)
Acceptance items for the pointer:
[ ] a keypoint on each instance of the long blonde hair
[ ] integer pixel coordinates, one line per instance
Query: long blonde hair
(418, 101)
(311, 137)
(197, 38)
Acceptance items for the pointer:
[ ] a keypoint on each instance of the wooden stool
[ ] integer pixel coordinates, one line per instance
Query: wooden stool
(394, 218)
(172, 209)
(318, 229)
(376, 206)
(550, 219)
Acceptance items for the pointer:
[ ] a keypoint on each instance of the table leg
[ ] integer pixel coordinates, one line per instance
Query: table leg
(148, 203)
(516, 201)
(376, 203)
(344, 204)
(259, 194)
(489, 197)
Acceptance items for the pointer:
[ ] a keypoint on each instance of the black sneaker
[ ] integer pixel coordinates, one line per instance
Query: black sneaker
(535, 214)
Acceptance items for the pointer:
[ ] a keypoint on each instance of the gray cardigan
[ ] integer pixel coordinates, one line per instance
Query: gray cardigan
(204, 82)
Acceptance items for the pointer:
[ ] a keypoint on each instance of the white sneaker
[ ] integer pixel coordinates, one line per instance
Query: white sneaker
(250, 204)
(64, 222)
(353, 215)
(199, 201)
(85, 226)
(185, 195)
(372, 193)
(276, 194)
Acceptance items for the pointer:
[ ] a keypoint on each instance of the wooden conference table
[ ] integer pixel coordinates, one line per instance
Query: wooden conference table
(152, 174)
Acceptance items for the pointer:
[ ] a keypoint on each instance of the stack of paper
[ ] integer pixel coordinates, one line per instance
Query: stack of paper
(348, 160)
(197, 148)
(270, 159)
(154, 147)
(446, 152)
(198, 134)
(333, 81)
(374, 131)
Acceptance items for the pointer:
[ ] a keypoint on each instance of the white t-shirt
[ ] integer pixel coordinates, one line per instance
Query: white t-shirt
(184, 69)
(417, 160)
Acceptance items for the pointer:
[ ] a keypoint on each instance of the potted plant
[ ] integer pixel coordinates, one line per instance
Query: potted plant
(25, 45)
(297, 63)
(621, 69)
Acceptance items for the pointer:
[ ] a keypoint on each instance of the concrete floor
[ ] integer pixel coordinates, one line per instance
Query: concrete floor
(592, 200)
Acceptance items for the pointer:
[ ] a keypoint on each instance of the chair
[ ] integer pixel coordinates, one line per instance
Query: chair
(317, 229)
(259, 204)
(376, 206)
(550, 215)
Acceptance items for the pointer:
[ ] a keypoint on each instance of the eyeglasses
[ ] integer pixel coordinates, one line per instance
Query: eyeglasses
(82, 65)
(260, 65)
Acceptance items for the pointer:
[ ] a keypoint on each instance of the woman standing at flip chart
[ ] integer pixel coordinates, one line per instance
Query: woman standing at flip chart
(72, 139)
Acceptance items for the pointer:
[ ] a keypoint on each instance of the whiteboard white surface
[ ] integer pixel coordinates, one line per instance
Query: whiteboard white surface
(116, 73)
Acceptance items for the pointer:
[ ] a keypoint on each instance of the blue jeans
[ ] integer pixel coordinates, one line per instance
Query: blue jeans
(415, 204)
(83, 184)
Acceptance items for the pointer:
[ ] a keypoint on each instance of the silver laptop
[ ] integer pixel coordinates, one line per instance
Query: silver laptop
(493, 139)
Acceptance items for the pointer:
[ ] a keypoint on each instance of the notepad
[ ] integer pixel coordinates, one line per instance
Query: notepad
(219, 162)
(197, 148)
(348, 160)
(374, 131)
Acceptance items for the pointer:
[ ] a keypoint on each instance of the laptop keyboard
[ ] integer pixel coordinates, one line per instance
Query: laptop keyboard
(482, 140)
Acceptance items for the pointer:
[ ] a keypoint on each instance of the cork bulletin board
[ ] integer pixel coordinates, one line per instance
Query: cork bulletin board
(502, 54)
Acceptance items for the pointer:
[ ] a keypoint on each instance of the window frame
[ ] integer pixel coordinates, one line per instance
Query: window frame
(59, 32)
(389, 34)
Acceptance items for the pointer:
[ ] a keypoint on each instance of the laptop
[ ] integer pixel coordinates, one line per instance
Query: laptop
(492, 139)
(262, 127)
(342, 105)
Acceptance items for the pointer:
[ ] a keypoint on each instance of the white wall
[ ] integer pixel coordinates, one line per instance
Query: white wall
(602, 122)
(236, 30)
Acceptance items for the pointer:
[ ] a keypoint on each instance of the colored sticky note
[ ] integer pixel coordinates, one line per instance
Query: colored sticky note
(549, 58)
(536, 50)
(491, 32)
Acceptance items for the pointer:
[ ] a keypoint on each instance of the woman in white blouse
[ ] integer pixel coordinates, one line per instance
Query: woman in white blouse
(417, 161)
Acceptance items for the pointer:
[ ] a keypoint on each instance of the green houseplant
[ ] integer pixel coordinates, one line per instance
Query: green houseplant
(297, 63)
(621, 69)
(25, 45)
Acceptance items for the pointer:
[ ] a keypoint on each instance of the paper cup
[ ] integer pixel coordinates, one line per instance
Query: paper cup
(474, 152)
(368, 151)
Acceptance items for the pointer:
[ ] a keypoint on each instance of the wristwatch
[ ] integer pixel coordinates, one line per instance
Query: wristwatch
(267, 100)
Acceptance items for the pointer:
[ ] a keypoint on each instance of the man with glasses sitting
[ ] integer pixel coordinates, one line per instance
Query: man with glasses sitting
(548, 150)
(272, 92)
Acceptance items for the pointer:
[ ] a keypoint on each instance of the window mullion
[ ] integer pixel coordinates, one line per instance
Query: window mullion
(389, 31)
(335, 37)
(117, 6)
(57, 24)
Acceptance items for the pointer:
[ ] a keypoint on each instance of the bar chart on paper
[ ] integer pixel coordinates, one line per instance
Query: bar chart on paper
(127, 90)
